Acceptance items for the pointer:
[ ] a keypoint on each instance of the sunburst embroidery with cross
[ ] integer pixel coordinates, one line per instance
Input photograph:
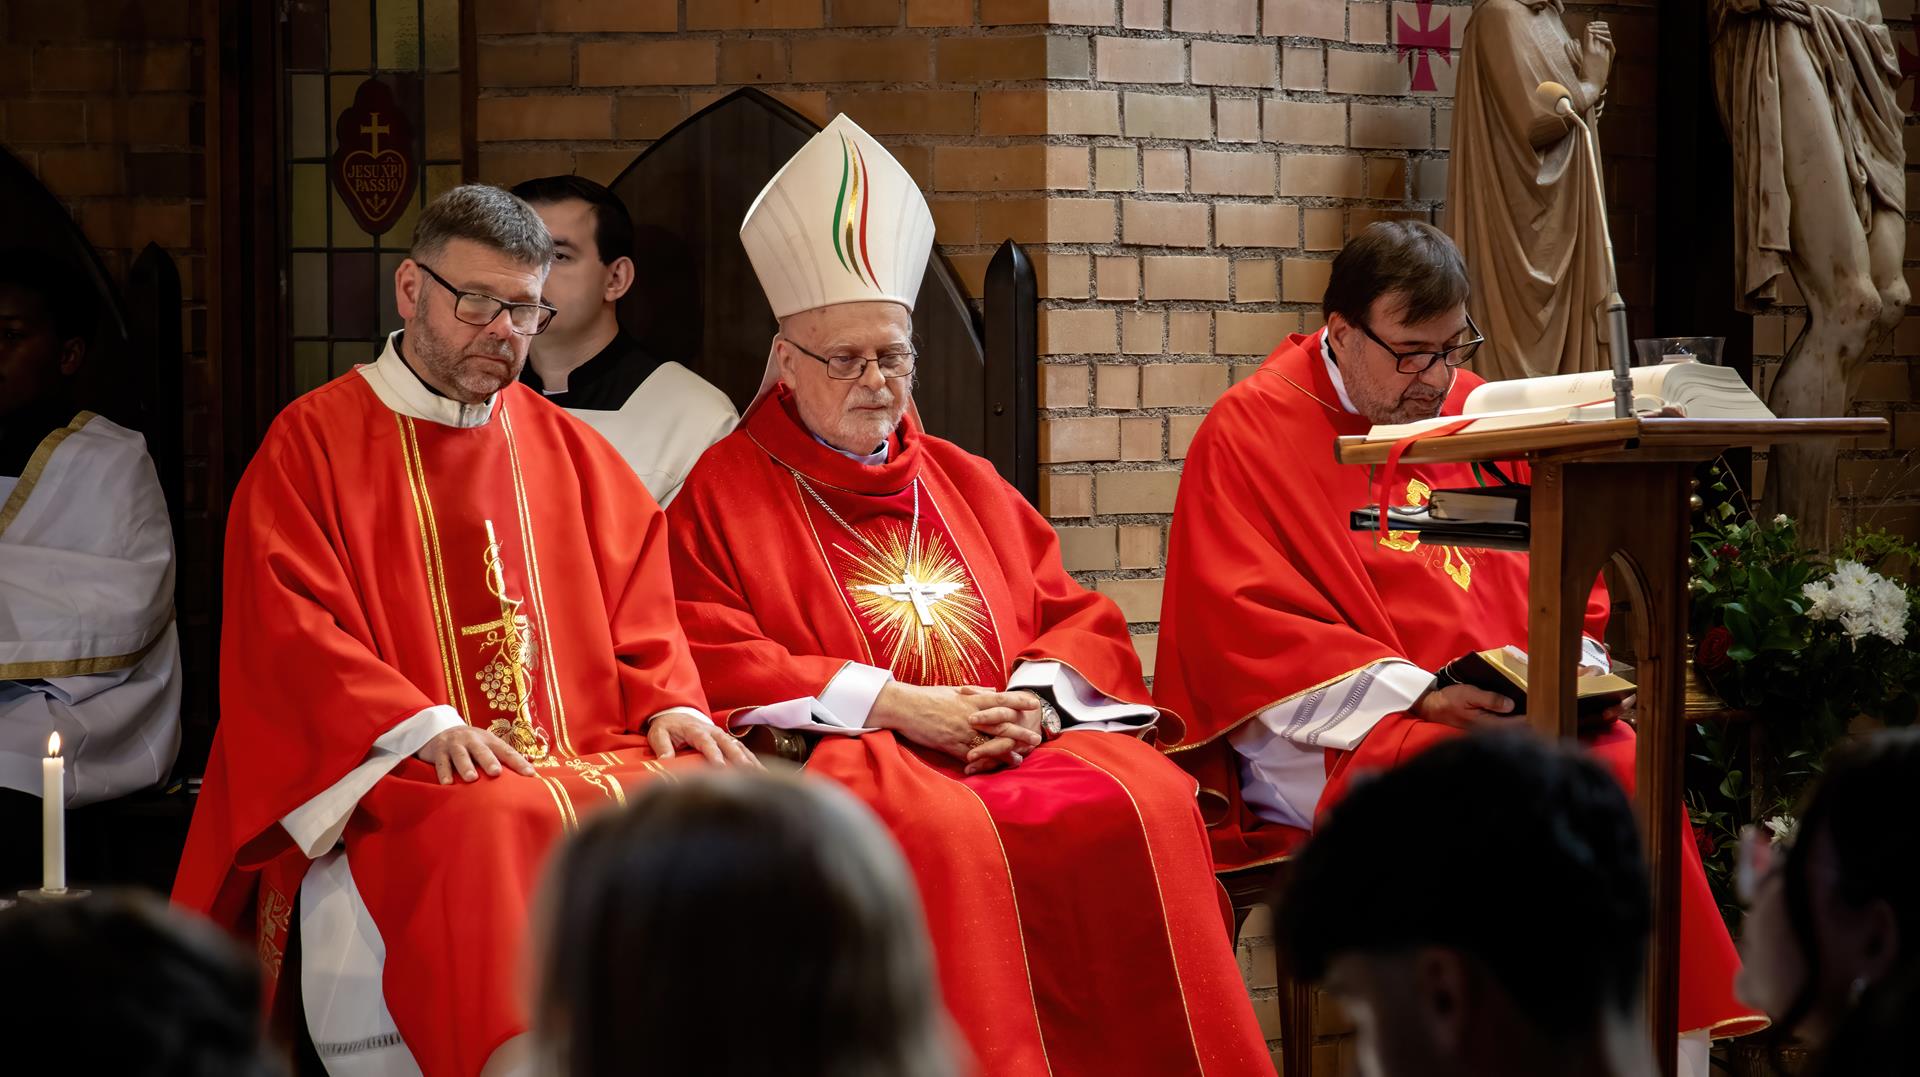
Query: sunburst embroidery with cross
(923, 609)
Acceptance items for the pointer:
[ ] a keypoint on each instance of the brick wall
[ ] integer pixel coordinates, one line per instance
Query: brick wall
(1235, 146)
(104, 102)
(955, 89)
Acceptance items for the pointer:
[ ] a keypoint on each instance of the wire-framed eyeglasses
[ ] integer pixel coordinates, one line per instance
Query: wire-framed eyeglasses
(479, 308)
(894, 362)
(1420, 362)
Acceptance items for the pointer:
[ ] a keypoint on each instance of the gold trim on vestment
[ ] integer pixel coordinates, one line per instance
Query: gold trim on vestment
(440, 606)
(1013, 893)
(1264, 707)
(81, 667)
(597, 777)
(1160, 893)
(1251, 864)
(1761, 1023)
(37, 463)
(561, 800)
(535, 591)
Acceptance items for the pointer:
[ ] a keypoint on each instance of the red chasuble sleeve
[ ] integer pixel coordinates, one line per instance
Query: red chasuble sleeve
(630, 539)
(1078, 628)
(747, 667)
(1270, 595)
(287, 592)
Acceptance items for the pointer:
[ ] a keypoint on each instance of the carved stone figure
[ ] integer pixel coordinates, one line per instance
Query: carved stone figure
(1807, 93)
(1520, 196)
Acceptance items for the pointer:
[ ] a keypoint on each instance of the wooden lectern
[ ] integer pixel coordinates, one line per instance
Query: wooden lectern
(1619, 489)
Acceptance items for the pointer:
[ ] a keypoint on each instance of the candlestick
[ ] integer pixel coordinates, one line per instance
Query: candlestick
(53, 819)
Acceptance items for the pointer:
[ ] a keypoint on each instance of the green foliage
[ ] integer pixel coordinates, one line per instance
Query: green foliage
(1801, 679)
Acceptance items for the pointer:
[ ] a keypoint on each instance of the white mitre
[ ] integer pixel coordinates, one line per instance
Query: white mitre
(841, 222)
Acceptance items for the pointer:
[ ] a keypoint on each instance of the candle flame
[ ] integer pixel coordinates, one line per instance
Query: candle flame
(53, 745)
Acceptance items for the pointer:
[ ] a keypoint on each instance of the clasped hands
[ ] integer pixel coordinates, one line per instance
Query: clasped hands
(985, 729)
(469, 751)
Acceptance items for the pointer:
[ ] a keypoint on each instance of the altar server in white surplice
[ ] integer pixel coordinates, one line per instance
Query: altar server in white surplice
(657, 414)
(87, 641)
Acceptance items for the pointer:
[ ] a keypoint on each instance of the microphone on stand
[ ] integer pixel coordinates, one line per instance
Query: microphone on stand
(1561, 100)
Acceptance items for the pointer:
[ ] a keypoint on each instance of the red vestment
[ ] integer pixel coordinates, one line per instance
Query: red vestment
(358, 593)
(1270, 595)
(1076, 921)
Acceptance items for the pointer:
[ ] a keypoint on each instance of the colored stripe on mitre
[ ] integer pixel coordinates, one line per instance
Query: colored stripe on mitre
(866, 196)
(850, 214)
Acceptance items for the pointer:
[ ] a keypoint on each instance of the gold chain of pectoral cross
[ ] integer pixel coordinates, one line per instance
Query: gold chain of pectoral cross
(912, 530)
(505, 679)
(921, 593)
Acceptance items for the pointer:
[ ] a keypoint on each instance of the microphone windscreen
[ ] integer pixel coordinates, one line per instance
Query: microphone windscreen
(1551, 94)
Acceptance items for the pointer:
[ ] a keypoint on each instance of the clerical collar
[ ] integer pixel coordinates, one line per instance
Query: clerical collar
(872, 459)
(603, 383)
(400, 389)
(1333, 373)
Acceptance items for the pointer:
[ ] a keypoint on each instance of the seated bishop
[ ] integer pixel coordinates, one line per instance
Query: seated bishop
(1307, 653)
(843, 573)
(658, 414)
(88, 647)
(448, 635)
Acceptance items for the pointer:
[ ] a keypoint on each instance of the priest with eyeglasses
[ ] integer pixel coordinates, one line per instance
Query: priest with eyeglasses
(843, 573)
(1308, 655)
(448, 634)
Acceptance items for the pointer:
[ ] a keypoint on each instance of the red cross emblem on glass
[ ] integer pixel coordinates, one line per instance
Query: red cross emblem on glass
(1420, 43)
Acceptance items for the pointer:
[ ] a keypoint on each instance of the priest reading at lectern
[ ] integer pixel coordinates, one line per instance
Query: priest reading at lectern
(843, 573)
(448, 633)
(1306, 653)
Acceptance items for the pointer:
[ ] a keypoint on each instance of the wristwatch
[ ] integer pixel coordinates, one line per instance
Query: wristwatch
(1049, 718)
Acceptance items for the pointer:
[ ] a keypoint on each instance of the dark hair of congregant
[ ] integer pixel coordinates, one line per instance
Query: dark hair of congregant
(1860, 805)
(1410, 260)
(66, 293)
(489, 216)
(124, 984)
(1485, 845)
(660, 915)
(612, 226)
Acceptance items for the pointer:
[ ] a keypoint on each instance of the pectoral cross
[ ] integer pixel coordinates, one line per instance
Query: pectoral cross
(922, 595)
(374, 129)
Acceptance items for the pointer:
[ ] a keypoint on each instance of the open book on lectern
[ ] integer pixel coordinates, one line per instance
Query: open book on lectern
(1699, 390)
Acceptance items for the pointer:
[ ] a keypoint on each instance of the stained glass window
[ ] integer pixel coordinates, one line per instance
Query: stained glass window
(338, 277)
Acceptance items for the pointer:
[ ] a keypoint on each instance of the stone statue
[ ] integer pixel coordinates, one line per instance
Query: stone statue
(1807, 93)
(1520, 197)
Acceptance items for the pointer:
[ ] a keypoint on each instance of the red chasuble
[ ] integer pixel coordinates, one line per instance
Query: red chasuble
(363, 586)
(1076, 921)
(1270, 595)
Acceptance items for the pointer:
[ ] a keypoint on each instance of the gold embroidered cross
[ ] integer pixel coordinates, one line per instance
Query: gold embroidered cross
(922, 595)
(505, 679)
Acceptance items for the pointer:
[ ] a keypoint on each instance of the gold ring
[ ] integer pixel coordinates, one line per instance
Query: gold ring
(978, 740)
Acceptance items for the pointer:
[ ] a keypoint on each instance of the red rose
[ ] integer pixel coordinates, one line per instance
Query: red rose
(1704, 840)
(1711, 656)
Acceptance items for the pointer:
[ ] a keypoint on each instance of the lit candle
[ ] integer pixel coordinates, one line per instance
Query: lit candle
(53, 819)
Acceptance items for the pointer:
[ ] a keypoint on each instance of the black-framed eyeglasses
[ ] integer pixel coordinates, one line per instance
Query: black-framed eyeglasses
(1421, 362)
(479, 308)
(895, 362)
